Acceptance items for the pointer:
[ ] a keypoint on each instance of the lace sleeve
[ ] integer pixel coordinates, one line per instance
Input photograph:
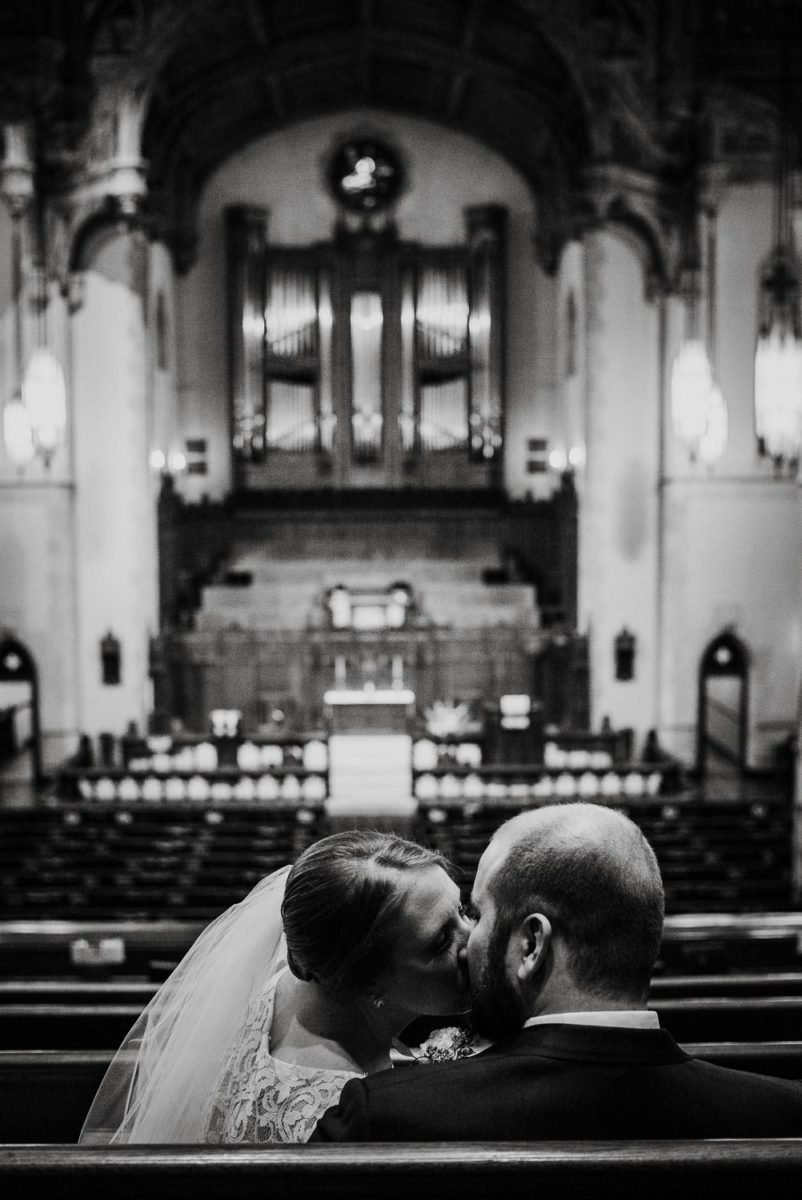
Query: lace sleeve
(232, 1098)
(262, 1099)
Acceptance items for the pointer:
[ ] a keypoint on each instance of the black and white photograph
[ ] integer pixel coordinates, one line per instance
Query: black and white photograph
(400, 599)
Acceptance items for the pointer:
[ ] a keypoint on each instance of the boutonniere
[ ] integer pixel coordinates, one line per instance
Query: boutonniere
(446, 1045)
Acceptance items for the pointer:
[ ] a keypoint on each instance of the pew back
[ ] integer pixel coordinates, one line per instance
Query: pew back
(548, 1170)
(45, 1094)
(103, 1026)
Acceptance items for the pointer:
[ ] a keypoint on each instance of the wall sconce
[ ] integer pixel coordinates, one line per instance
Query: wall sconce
(110, 660)
(624, 654)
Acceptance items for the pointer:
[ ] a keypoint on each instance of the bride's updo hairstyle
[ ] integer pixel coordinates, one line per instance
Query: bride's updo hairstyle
(341, 902)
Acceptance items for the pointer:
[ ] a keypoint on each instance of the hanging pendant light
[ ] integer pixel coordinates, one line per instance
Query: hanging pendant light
(778, 353)
(35, 419)
(698, 410)
(44, 396)
(778, 365)
(691, 384)
(17, 432)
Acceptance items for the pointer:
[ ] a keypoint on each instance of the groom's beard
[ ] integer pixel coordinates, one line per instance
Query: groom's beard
(498, 1010)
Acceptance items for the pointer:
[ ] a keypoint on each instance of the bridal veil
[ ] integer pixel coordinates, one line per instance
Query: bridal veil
(161, 1083)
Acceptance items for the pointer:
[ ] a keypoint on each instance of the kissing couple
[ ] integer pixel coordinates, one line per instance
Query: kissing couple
(281, 1024)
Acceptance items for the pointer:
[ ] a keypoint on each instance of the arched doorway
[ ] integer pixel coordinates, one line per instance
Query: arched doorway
(20, 732)
(723, 718)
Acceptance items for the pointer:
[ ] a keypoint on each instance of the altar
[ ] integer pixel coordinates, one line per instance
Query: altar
(369, 709)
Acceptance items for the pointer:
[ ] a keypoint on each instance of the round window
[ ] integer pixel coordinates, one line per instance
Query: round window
(365, 175)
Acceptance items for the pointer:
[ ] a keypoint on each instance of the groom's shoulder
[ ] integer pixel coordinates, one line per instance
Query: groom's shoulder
(435, 1075)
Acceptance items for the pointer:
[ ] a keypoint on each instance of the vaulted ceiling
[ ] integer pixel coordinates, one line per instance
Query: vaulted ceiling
(555, 86)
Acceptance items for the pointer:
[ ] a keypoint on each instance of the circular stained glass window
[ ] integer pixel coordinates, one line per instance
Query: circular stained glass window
(365, 175)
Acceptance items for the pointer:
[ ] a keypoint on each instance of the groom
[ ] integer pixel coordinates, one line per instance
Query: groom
(568, 912)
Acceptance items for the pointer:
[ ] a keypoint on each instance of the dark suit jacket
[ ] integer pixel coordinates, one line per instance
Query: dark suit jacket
(566, 1082)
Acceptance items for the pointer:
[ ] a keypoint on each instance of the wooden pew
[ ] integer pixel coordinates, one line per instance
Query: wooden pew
(133, 991)
(45, 1094)
(80, 992)
(39, 948)
(728, 1018)
(144, 861)
(703, 1019)
(722, 941)
(736, 983)
(65, 1026)
(695, 1170)
(726, 856)
(782, 1059)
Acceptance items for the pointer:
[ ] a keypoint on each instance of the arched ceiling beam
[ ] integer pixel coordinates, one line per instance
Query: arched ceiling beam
(366, 36)
(237, 76)
(460, 80)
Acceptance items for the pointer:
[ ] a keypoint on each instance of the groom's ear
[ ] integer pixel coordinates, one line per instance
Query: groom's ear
(535, 940)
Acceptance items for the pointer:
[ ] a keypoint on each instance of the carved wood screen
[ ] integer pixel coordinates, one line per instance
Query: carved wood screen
(366, 362)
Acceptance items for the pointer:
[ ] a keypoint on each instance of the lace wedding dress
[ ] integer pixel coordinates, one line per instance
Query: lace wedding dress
(262, 1099)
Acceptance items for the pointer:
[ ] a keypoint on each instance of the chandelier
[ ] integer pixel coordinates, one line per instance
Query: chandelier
(698, 411)
(778, 362)
(778, 353)
(44, 397)
(35, 418)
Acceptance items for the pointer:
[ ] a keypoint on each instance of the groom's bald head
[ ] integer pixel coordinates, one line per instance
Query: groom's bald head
(592, 872)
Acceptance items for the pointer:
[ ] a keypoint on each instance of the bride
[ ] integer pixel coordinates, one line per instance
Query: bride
(303, 985)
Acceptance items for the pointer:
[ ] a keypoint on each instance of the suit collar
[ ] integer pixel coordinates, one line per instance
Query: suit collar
(593, 1043)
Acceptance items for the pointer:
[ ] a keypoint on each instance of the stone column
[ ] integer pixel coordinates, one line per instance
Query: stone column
(115, 495)
(618, 522)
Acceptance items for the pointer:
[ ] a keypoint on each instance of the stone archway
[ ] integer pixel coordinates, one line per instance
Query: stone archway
(723, 709)
(19, 703)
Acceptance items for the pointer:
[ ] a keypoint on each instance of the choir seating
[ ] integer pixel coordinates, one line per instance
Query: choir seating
(696, 1170)
(199, 769)
(535, 765)
(563, 749)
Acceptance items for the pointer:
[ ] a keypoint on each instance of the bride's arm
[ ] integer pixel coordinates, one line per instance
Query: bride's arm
(347, 1121)
(231, 1102)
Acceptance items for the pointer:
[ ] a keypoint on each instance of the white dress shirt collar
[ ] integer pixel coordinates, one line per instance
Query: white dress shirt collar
(624, 1018)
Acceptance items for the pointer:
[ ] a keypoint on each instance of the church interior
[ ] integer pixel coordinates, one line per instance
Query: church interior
(402, 420)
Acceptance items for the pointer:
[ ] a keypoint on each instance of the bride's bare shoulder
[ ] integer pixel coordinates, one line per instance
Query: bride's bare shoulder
(304, 1029)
